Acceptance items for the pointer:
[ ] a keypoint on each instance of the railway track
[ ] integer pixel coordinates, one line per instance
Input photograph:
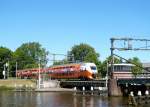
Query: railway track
(80, 83)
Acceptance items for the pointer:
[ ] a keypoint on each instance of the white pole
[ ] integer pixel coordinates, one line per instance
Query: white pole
(139, 93)
(7, 65)
(146, 92)
(83, 89)
(4, 72)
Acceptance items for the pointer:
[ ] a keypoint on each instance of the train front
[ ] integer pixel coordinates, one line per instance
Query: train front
(91, 70)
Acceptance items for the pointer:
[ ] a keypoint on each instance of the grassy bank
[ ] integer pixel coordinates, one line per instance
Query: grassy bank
(5, 88)
(12, 84)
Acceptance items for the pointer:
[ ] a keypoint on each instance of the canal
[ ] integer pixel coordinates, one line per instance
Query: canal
(59, 99)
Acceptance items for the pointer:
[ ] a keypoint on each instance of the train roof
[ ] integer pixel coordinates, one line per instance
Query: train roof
(72, 64)
(63, 65)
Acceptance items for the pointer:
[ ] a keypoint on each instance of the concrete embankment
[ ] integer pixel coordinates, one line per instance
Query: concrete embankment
(11, 84)
(31, 85)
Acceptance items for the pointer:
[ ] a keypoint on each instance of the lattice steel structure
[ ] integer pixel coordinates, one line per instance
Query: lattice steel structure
(128, 44)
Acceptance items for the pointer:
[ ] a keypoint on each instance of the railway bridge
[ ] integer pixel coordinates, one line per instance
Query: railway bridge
(123, 86)
(78, 83)
(116, 87)
(134, 84)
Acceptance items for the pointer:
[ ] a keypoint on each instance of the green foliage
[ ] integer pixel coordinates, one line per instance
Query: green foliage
(5, 57)
(104, 64)
(84, 53)
(29, 54)
(137, 69)
(26, 56)
(5, 88)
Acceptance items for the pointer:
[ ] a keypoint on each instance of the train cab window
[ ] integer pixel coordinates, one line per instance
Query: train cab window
(93, 67)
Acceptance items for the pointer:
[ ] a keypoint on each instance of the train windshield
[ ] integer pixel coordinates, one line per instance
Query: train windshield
(93, 67)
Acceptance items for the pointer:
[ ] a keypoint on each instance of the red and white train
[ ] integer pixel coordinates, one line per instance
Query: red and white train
(66, 71)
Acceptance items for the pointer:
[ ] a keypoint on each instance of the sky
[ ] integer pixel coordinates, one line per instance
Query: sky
(60, 24)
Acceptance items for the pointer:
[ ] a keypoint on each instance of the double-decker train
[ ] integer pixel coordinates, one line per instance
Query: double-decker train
(66, 71)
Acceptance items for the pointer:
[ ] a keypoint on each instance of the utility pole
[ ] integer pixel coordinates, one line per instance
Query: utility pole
(39, 77)
(54, 57)
(112, 57)
(16, 69)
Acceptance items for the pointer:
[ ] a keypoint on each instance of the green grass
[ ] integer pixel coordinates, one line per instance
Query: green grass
(5, 88)
(13, 83)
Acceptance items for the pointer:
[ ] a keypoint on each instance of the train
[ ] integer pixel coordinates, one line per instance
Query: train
(86, 71)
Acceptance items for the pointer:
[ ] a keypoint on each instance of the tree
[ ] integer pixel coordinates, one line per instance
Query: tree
(84, 53)
(5, 57)
(81, 53)
(137, 68)
(29, 54)
(108, 60)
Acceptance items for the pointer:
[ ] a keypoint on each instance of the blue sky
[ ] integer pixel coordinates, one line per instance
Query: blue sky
(60, 24)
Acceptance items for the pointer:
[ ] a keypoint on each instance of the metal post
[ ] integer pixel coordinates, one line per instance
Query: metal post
(39, 75)
(54, 58)
(107, 75)
(112, 57)
(16, 69)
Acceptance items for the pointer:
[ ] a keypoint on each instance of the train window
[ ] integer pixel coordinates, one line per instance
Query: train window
(93, 67)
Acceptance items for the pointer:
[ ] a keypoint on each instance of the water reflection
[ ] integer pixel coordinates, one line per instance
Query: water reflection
(74, 101)
(53, 99)
(88, 101)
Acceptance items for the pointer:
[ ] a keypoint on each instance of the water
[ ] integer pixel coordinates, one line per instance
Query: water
(59, 99)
